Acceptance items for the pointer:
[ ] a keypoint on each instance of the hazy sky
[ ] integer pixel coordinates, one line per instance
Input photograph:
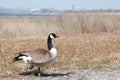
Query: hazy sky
(61, 4)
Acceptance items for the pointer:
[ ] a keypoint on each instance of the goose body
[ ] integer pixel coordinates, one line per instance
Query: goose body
(39, 57)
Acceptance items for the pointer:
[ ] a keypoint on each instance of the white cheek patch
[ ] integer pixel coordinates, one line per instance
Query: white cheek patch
(51, 36)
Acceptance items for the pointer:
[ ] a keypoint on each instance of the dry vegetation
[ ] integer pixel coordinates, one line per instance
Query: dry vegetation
(78, 47)
(69, 24)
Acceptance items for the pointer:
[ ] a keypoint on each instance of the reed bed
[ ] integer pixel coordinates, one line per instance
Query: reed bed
(64, 24)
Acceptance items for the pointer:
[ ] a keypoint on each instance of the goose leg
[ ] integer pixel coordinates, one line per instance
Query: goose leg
(40, 73)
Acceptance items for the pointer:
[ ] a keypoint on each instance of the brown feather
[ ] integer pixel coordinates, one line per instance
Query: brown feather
(38, 55)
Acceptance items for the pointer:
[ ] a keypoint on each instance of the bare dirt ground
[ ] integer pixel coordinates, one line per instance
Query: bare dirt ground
(72, 75)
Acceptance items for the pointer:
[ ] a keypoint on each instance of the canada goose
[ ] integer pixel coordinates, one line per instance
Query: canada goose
(39, 57)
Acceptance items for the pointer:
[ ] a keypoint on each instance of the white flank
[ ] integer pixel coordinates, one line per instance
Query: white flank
(51, 36)
(26, 59)
(53, 52)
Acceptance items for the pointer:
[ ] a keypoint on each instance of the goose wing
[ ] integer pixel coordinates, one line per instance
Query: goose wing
(38, 55)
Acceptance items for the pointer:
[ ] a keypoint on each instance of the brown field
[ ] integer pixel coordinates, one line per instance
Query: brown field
(86, 41)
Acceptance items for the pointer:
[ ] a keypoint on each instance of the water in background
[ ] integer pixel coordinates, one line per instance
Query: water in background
(26, 14)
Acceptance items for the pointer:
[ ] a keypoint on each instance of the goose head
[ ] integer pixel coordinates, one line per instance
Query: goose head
(53, 36)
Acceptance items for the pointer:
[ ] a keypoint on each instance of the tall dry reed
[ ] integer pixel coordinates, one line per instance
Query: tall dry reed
(65, 24)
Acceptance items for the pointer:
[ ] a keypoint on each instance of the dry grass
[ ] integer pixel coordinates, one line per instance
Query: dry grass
(97, 48)
(68, 24)
(84, 51)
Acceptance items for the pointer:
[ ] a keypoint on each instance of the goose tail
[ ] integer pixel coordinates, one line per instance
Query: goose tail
(18, 57)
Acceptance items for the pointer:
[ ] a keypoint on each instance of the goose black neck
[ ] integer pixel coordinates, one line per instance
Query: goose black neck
(49, 43)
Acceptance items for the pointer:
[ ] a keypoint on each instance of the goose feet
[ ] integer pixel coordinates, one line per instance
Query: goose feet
(39, 73)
